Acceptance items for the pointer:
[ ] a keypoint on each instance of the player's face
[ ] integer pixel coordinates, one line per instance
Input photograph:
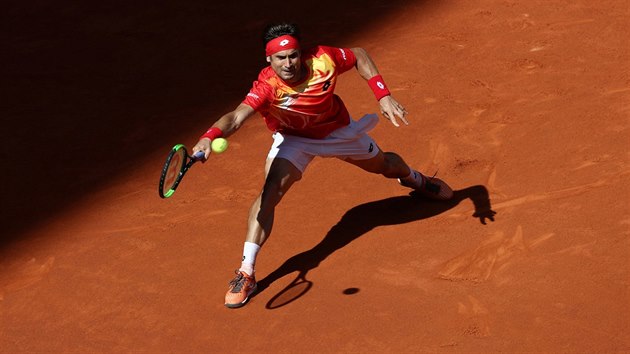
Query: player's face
(287, 65)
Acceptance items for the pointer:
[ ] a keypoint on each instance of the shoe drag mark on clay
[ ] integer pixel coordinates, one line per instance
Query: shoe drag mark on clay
(494, 254)
(474, 322)
(477, 323)
(562, 25)
(561, 193)
(397, 278)
(440, 153)
(522, 22)
(491, 184)
(594, 161)
(615, 91)
(557, 194)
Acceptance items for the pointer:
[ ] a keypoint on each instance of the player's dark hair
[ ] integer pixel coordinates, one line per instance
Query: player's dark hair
(280, 29)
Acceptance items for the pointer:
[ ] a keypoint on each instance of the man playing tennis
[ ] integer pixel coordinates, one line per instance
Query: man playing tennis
(295, 96)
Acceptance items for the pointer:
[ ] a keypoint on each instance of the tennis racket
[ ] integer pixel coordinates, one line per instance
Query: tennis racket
(175, 167)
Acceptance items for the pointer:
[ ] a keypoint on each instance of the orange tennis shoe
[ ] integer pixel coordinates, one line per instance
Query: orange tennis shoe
(241, 287)
(433, 188)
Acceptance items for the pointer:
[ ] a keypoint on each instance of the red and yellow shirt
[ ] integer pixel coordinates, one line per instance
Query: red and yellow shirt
(309, 108)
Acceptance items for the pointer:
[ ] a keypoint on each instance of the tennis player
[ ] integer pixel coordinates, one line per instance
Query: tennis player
(295, 96)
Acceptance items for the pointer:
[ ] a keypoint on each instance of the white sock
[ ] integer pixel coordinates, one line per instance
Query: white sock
(250, 250)
(414, 180)
(414, 177)
(409, 178)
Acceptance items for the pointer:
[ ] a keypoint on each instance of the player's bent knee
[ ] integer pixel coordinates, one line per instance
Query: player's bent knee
(375, 164)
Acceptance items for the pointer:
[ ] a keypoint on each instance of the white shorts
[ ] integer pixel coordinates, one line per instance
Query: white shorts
(346, 142)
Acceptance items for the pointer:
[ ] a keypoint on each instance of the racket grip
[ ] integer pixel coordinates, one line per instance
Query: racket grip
(199, 155)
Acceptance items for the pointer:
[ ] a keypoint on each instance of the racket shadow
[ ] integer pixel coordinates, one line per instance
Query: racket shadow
(298, 288)
(359, 221)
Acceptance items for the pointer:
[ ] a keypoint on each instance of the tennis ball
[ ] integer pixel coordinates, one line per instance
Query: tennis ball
(219, 145)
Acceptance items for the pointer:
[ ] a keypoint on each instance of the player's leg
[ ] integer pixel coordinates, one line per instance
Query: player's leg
(280, 176)
(391, 165)
(352, 144)
(388, 164)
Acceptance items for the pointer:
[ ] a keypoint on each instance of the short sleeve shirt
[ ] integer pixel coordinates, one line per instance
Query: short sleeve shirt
(308, 108)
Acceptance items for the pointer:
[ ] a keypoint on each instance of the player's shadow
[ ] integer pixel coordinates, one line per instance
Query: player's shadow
(359, 221)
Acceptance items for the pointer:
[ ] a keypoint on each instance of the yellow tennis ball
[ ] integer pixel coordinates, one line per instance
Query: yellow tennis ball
(219, 145)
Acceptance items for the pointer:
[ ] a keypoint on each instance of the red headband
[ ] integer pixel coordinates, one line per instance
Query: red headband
(281, 43)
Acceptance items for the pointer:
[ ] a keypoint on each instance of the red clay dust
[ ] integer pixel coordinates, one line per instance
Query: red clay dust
(523, 107)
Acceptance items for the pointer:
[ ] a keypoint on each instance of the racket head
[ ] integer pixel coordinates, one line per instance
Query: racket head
(173, 170)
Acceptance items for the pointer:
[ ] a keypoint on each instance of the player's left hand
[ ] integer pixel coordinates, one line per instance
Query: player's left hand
(391, 109)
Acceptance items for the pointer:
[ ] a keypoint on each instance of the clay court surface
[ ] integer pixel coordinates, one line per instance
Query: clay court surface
(522, 106)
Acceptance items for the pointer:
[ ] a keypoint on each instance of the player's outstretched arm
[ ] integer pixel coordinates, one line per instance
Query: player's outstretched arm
(390, 108)
(227, 125)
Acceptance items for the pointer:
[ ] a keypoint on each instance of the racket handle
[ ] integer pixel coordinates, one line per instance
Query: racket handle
(199, 155)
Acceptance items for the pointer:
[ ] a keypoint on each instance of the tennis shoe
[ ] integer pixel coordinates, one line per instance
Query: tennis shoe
(432, 188)
(241, 287)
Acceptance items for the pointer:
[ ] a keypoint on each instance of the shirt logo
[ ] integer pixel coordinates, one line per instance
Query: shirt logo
(371, 147)
(343, 53)
(284, 42)
(253, 95)
(326, 85)
(288, 101)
